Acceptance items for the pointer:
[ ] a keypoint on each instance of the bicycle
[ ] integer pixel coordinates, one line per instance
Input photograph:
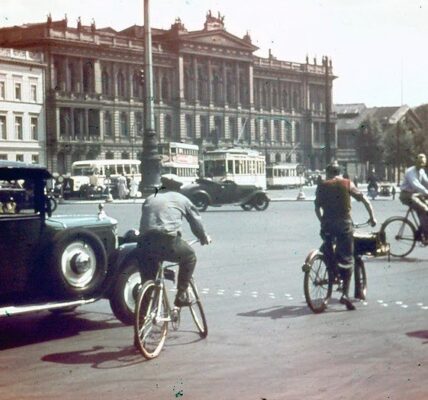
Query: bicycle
(321, 272)
(153, 312)
(402, 234)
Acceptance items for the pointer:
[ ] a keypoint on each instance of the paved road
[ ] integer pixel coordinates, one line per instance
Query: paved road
(263, 341)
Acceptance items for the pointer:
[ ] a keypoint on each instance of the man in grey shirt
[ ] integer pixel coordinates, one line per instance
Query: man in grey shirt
(160, 235)
(414, 190)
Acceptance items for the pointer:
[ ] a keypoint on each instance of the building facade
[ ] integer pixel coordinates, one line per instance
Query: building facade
(22, 110)
(209, 88)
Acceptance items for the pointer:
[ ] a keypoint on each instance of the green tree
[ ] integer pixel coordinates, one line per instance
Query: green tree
(369, 143)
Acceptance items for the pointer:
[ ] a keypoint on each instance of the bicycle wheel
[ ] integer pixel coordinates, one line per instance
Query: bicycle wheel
(197, 310)
(318, 283)
(360, 277)
(401, 236)
(150, 334)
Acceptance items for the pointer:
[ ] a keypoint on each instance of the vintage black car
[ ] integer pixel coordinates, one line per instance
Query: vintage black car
(206, 192)
(54, 262)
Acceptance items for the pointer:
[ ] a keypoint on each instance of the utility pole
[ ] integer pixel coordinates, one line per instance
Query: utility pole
(150, 156)
(398, 161)
(327, 111)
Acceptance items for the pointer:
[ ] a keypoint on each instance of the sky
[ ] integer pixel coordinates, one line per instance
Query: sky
(378, 47)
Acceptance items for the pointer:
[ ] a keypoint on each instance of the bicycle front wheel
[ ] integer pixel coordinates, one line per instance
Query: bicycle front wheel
(197, 310)
(401, 236)
(360, 277)
(150, 326)
(318, 284)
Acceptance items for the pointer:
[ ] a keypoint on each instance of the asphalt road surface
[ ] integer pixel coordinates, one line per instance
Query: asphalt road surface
(263, 341)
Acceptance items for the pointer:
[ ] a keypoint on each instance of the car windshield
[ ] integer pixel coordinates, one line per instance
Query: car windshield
(17, 196)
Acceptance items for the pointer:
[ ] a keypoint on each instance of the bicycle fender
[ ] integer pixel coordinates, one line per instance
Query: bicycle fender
(309, 259)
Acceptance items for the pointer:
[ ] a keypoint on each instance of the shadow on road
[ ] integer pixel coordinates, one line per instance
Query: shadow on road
(420, 335)
(37, 328)
(99, 357)
(277, 312)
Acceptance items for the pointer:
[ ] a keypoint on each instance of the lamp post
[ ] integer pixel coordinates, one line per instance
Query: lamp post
(150, 156)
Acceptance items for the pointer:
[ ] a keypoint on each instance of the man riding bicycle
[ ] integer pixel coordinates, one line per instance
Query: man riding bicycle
(160, 235)
(333, 209)
(414, 190)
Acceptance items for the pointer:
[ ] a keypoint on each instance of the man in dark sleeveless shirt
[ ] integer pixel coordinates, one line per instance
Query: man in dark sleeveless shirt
(333, 209)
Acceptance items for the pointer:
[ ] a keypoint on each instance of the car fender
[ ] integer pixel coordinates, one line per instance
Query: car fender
(253, 195)
(116, 261)
(201, 192)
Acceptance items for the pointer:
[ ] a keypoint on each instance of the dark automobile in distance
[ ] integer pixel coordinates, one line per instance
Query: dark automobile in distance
(58, 262)
(206, 192)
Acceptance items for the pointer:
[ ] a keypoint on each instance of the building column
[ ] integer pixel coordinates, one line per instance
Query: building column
(195, 79)
(80, 75)
(227, 134)
(237, 86)
(210, 78)
(161, 132)
(283, 126)
(72, 127)
(251, 85)
(86, 123)
(180, 79)
(252, 123)
(223, 66)
(101, 123)
(197, 126)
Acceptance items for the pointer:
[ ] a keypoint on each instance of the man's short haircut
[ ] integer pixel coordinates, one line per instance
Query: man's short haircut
(332, 169)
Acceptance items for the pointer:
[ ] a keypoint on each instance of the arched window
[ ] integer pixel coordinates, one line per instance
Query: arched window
(274, 98)
(284, 100)
(120, 84)
(166, 93)
(266, 131)
(168, 126)
(124, 131)
(189, 125)
(88, 77)
(105, 83)
(137, 87)
(108, 126)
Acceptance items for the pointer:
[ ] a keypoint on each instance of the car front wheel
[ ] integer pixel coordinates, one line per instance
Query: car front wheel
(261, 203)
(200, 201)
(122, 298)
(77, 263)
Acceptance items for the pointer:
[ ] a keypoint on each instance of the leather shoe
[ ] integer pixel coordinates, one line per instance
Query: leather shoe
(182, 299)
(345, 300)
(360, 296)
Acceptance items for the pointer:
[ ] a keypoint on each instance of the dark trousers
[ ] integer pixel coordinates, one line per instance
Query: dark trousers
(155, 247)
(339, 232)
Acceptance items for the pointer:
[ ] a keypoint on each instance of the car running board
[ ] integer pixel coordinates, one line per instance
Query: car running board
(15, 310)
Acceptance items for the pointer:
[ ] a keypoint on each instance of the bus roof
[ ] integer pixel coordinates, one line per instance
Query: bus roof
(182, 145)
(106, 162)
(234, 150)
(283, 165)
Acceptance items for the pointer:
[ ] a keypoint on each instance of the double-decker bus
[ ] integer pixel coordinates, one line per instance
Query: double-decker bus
(243, 166)
(283, 175)
(180, 161)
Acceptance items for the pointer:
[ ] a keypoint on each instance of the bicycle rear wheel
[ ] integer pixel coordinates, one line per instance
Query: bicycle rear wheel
(401, 236)
(360, 277)
(197, 310)
(150, 334)
(318, 283)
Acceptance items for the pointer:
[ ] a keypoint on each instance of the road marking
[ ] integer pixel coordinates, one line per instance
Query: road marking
(380, 301)
(398, 303)
(220, 292)
(424, 307)
(385, 305)
(420, 304)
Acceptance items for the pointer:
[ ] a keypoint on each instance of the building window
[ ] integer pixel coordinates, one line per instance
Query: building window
(168, 126)
(2, 90)
(109, 155)
(33, 93)
(139, 124)
(34, 128)
(17, 91)
(120, 85)
(35, 158)
(105, 83)
(18, 128)
(233, 129)
(123, 124)
(277, 128)
(20, 157)
(107, 124)
(3, 157)
(204, 127)
(189, 126)
(3, 130)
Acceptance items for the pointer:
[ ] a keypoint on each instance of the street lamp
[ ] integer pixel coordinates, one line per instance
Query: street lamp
(150, 156)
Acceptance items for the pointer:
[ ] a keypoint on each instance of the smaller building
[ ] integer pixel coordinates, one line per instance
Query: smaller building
(22, 109)
(355, 154)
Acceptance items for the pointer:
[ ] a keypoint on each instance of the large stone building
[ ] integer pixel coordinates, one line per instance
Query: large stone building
(22, 110)
(209, 88)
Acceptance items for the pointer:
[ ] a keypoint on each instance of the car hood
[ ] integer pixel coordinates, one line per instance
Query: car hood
(80, 221)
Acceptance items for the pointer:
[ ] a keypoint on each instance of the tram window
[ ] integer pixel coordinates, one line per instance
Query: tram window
(229, 166)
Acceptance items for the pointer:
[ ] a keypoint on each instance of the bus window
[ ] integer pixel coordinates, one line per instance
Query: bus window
(120, 169)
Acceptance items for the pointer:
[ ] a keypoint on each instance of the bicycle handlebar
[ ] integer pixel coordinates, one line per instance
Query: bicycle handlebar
(362, 224)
